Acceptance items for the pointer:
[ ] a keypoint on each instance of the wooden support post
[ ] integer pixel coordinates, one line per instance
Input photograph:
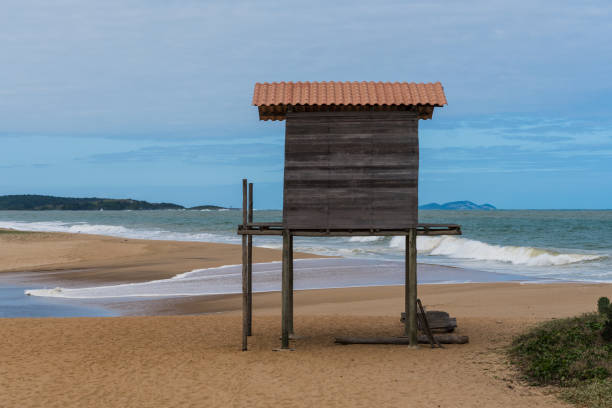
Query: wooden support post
(410, 324)
(250, 267)
(290, 278)
(244, 268)
(286, 319)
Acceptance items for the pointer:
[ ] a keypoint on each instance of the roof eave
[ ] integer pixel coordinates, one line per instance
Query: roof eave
(279, 112)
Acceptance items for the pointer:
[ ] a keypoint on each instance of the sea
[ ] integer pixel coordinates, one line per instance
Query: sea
(529, 246)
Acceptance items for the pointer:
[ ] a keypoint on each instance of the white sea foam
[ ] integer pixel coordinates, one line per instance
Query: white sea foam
(210, 281)
(464, 248)
(365, 239)
(309, 274)
(448, 247)
(115, 231)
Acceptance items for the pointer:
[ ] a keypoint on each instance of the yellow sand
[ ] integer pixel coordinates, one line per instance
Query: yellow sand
(194, 361)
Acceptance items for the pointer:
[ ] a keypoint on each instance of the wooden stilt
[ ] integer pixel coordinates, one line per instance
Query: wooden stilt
(290, 278)
(286, 289)
(407, 289)
(250, 267)
(244, 269)
(410, 324)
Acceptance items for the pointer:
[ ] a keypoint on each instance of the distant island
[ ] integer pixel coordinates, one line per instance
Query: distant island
(25, 202)
(457, 205)
(208, 207)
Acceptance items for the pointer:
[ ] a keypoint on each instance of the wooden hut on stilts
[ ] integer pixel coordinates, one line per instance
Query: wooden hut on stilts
(351, 169)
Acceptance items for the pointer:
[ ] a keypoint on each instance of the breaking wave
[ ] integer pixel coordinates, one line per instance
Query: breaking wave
(365, 239)
(451, 247)
(116, 231)
(464, 248)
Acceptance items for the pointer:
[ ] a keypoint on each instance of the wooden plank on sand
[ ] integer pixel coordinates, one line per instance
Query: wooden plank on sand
(440, 338)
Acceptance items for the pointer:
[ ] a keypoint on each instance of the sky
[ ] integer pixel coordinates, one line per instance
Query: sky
(151, 99)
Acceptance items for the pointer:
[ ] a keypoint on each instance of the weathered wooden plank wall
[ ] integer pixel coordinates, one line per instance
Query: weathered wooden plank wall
(351, 170)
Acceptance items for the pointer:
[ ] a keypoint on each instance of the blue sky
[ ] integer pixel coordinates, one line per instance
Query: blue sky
(150, 99)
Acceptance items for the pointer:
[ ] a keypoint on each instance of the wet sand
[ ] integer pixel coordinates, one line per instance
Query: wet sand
(64, 258)
(194, 361)
(496, 300)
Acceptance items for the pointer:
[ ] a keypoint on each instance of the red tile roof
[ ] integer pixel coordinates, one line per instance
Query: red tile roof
(348, 93)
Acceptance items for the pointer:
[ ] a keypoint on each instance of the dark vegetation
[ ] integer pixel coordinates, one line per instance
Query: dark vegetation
(207, 207)
(573, 353)
(457, 205)
(41, 202)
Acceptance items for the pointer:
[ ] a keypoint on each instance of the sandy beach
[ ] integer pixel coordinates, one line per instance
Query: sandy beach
(63, 257)
(188, 354)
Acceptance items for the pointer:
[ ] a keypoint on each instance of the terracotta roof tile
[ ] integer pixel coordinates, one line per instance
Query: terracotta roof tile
(348, 93)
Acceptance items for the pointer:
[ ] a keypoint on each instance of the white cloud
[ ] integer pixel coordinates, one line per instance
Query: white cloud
(175, 66)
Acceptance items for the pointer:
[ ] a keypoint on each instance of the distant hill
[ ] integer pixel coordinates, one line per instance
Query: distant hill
(41, 202)
(209, 207)
(457, 205)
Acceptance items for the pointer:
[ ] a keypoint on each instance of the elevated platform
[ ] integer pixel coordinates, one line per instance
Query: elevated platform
(248, 229)
(277, 228)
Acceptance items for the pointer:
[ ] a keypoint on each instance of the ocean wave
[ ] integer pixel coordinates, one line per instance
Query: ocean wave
(450, 247)
(464, 248)
(365, 239)
(116, 231)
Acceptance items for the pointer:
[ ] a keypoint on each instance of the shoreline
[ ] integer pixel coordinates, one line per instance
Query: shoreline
(266, 302)
(105, 259)
(81, 261)
(386, 299)
(310, 274)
